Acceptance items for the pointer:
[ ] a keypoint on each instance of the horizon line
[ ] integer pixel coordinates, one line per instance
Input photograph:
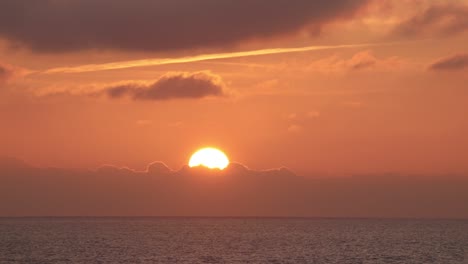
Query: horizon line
(246, 217)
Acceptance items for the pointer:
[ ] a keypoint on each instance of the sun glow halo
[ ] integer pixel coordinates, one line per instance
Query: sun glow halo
(211, 158)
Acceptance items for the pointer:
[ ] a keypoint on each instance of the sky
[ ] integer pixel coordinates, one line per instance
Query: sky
(322, 88)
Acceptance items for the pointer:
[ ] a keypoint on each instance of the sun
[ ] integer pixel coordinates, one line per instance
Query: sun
(211, 158)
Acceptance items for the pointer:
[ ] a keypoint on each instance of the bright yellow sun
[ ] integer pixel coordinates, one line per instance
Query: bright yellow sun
(211, 158)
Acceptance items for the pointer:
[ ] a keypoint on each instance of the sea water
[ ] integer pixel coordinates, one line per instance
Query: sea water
(232, 240)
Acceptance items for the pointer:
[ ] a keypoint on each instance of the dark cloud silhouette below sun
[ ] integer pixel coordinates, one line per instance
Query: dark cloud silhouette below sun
(234, 191)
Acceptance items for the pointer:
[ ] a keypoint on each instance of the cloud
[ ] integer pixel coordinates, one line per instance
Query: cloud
(313, 114)
(353, 104)
(144, 122)
(198, 58)
(161, 25)
(440, 20)
(158, 168)
(6, 73)
(294, 128)
(172, 86)
(10, 72)
(450, 63)
(235, 191)
(361, 61)
(299, 122)
(3, 73)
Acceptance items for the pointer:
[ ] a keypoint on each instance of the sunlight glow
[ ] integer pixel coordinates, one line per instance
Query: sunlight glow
(211, 158)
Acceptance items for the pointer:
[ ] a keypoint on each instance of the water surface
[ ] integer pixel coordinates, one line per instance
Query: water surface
(232, 240)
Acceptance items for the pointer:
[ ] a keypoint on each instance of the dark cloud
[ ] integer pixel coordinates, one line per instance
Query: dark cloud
(5, 73)
(158, 168)
(442, 20)
(235, 191)
(160, 25)
(362, 60)
(450, 63)
(363, 65)
(172, 86)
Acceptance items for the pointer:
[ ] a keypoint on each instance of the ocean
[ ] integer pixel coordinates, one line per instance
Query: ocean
(232, 240)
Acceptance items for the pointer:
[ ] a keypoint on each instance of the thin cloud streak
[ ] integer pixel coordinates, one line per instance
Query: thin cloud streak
(198, 58)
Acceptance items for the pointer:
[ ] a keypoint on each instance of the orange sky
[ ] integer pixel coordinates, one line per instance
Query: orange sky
(399, 105)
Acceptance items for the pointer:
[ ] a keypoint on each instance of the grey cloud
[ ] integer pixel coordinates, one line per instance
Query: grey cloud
(235, 191)
(364, 64)
(173, 86)
(5, 73)
(160, 25)
(450, 63)
(440, 20)
(158, 168)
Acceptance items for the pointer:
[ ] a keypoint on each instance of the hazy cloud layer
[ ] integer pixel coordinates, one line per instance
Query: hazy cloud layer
(172, 86)
(160, 25)
(236, 191)
(442, 20)
(3, 73)
(450, 63)
(361, 61)
(6, 73)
